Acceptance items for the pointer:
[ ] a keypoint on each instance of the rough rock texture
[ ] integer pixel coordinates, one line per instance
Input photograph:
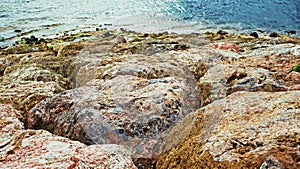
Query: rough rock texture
(148, 67)
(28, 149)
(263, 67)
(26, 95)
(9, 123)
(127, 110)
(28, 78)
(250, 130)
(41, 149)
(142, 55)
(133, 88)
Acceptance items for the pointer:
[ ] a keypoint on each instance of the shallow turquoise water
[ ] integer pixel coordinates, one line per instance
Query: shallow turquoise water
(51, 17)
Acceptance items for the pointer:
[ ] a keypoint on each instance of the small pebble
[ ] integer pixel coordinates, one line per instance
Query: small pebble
(33, 38)
(292, 32)
(273, 35)
(221, 32)
(254, 34)
(120, 39)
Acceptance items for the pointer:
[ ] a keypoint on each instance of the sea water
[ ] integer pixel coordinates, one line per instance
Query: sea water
(44, 18)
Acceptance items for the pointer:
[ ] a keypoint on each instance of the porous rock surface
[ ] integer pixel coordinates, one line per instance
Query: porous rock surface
(259, 67)
(250, 130)
(40, 149)
(10, 124)
(127, 110)
(139, 89)
(28, 78)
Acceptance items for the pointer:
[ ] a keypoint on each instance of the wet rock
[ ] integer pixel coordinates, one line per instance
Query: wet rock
(127, 110)
(243, 130)
(273, 34)
(271, 163)
(39, 148)
(292, 32)
(222, 32)
(33, 39)
(254, 34)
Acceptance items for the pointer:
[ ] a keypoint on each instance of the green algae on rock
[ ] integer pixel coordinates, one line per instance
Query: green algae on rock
(296, 68)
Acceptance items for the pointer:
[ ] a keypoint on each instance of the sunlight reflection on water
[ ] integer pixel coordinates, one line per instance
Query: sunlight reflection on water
(56, 16)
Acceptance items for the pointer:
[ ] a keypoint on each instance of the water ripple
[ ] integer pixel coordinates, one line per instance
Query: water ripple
(149, 15)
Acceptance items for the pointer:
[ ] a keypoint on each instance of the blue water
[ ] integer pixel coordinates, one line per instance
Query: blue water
(53, 17)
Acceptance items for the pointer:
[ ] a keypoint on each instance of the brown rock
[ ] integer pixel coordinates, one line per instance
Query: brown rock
(29, 78)
(34, 73)
(26, 95)
(156, 66)
(70, 50)
(244, 130)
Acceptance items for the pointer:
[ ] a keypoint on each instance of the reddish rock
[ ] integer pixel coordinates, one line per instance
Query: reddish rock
(9, 123)
(227, 46)
(126, 110)
(40, 149)
(147, 85)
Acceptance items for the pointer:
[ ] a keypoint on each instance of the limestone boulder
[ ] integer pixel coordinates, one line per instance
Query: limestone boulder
(28, 78)
(264, 68)
(243, 130)
(33, 73)
(41, 149)
(26, 95)
(148, 67)
(127, 110)
(10, 124)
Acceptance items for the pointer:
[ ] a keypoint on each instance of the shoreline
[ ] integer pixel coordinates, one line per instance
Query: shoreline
(75, 35)
(111, 27)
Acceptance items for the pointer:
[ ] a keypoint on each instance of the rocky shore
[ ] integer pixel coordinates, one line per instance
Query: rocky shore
(122, 99)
